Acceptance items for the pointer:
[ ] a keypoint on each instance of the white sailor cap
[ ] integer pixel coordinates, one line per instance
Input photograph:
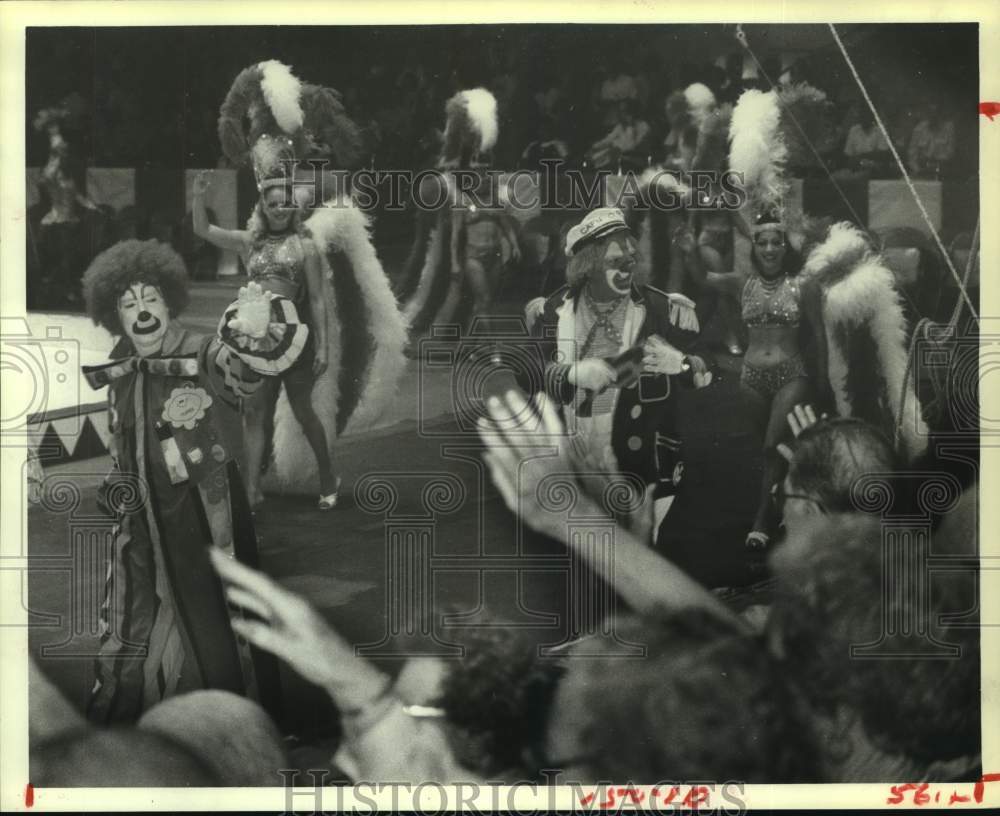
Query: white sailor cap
(595, 224)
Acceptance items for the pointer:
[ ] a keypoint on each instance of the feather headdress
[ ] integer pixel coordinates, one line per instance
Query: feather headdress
(471, 126)
(329, 133)
(288, 120)
(268, 95)
(770, 132)
(700, 102)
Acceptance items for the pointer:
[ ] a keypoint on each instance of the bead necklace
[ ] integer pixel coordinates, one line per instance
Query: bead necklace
(770, 285)
(602, 320)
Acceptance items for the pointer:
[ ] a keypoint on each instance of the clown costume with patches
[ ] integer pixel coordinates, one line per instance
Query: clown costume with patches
(323, 260)
(619, 349)
(175, 490)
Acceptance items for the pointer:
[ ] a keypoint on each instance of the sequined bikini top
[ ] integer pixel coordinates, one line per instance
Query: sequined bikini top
(771, 304)
(278, 257)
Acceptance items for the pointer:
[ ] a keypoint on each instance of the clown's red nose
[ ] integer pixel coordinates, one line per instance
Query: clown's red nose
(144, 316)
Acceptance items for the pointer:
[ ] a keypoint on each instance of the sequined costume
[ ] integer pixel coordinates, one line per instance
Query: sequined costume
(279, 257)
(272, 120)
(457, 257)
(771, 304)
(767, 304)
(282, 258)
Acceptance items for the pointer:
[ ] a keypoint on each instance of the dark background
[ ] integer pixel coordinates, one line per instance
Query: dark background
(155, 92)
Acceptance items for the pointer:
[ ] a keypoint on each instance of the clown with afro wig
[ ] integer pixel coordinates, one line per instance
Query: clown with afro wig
(175, 488)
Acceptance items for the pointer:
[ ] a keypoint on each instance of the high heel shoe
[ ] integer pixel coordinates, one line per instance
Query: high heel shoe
(329, 501)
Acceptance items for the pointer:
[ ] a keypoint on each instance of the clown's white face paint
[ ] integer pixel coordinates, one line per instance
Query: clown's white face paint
(619, 263)
(144, 316)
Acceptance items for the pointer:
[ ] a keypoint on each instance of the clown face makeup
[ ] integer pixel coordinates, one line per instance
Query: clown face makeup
(144, 317)
(619, 263)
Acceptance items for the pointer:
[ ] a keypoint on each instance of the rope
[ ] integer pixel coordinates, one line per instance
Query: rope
(742, 38)
(906, 176)
(917, 331)
(973, 252)
(921, 329)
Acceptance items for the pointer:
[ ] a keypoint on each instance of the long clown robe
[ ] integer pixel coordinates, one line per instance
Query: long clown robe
(176, 491)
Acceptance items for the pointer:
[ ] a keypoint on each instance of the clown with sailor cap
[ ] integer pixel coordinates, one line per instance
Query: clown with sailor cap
(617, 349)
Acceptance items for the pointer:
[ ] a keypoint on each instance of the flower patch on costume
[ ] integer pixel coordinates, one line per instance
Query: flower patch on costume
(186, 406)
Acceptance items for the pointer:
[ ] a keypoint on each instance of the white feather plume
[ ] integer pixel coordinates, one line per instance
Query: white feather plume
(757, 149)
(281, 89)
(700, 101)
(482, 108)
(844, 247)
(866, 296)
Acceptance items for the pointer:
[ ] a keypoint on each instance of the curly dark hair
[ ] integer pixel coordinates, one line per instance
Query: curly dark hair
(832, 597)
(112, 272)
(705, 702)
(498, 696)
(791, 263)
(832, 455)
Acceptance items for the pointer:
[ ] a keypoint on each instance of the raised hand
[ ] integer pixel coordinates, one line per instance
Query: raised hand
(802, 417)
(253, 312)
(799, 418)
(527, 443)
(289, 627)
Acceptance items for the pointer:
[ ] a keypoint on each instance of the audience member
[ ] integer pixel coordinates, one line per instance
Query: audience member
(866, 147)
(625, 144)
(932, 144)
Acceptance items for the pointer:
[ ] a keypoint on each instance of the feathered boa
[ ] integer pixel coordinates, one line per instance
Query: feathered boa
(866, 338)
(366, 336)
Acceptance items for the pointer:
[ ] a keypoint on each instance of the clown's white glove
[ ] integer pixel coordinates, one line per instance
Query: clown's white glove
(660, 357)
(253, 312)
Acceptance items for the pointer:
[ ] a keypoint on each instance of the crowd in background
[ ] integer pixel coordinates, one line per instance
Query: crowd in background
(620, 119)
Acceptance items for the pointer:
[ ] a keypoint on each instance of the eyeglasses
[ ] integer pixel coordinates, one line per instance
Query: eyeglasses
(779, 496)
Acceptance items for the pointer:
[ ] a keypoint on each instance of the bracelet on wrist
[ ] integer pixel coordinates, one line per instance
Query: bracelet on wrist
(360, 718)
